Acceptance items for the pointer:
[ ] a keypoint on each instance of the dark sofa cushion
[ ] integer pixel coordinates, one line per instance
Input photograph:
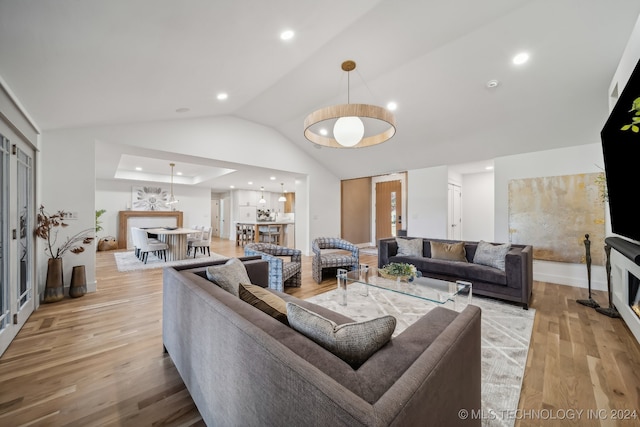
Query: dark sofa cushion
(456, 270)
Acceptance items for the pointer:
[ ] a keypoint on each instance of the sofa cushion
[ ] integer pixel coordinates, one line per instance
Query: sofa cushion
(456, 270)
(264, 301)
(448, 251)
(491, 255)
(229, 275)
(352, 342)
(409, 247)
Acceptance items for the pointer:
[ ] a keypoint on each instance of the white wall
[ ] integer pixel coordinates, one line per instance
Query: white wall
(115, 196)
(627, 63)
(427, 202)
(565, 161)
(68, 183)
(478, 207)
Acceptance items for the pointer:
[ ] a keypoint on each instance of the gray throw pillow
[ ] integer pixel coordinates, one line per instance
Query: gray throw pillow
(491, 255)
(229, 275)
(409, 247)
(352, 342)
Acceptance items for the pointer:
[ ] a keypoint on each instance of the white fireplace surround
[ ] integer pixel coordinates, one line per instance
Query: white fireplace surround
(621, 266)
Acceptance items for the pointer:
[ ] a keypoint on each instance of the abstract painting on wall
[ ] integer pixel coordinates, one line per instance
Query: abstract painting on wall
(150, 199)
(554, 213)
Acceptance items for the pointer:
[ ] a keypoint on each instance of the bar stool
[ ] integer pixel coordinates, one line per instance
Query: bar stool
(270, 234)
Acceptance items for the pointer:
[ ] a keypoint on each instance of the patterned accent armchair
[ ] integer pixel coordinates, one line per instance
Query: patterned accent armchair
(281, 272)
(333, 259)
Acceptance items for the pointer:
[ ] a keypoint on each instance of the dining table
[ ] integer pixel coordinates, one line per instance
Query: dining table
(176, 238)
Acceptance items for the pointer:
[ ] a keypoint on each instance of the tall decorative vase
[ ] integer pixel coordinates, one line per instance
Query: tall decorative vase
(54, 288)
(78, 282)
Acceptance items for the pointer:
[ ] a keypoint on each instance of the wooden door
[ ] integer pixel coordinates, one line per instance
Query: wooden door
(388, 209)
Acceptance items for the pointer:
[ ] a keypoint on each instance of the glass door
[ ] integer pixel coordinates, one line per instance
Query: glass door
(17, 295)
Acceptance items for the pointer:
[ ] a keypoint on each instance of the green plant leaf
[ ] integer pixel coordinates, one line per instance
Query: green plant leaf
(635, 128)
(625, 127)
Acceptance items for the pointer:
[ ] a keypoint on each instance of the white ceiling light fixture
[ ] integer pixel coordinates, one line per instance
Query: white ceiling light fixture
(287, 35)
(392, 106)
(172, 198)
(262, 199)
(222, 96)
(282, 198)
(521, 58)
(348, 130)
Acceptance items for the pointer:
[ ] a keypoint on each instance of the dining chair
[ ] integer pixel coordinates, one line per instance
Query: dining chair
(146, 246)
(204, 242)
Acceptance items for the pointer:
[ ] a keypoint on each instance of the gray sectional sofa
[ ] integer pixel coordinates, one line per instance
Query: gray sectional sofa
(244, 367)
(514, 284)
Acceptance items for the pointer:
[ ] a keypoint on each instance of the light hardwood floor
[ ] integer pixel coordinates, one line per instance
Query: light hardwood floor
(98, 360)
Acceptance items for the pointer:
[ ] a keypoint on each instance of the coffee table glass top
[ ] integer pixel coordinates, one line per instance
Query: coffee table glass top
(427, 288)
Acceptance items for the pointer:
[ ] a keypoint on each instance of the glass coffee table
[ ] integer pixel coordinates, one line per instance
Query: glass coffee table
(426, 288)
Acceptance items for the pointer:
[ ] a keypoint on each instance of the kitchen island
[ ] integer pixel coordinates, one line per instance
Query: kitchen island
(278, 232)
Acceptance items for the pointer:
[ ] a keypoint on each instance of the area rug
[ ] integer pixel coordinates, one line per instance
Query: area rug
(127, 261)
(506, 332)
(369, 250)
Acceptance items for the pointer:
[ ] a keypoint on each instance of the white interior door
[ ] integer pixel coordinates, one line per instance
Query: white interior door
(454, 231)
(17, 291)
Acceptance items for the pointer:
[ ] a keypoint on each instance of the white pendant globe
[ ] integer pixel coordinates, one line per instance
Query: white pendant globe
(348, 131)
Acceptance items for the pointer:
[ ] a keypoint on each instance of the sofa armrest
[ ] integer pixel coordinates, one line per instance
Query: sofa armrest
(519, 269)
(386, 248)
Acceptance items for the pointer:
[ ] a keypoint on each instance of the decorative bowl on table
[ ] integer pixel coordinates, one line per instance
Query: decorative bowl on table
(399, 271)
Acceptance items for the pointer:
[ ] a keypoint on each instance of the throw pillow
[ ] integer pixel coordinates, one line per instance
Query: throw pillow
(409, 247)
(229, 275)
(352, 342)
(264, 301)
(448, 251)
(491, 255)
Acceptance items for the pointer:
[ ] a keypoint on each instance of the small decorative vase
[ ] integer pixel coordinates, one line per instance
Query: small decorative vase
(54, 288)
(78, 282)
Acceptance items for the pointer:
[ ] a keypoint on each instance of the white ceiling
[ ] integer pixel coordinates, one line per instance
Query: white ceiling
(93, 62)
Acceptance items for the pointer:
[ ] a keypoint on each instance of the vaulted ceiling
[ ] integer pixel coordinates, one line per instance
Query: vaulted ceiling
(94, 62)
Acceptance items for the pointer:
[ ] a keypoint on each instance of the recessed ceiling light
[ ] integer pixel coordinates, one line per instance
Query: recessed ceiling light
(489, 168)
(178, 173)
(287, 35)
(492, 83)
(324, 132)
(392, 106)
(272, 178)
(250, 182)
(232, 186)
(138, 168)
(222, 96)
(521, 58)
(182, 110)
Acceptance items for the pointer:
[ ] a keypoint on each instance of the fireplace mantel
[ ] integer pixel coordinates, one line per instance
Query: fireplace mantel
(123, 220)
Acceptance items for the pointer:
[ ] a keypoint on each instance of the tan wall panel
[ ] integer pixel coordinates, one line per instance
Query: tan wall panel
(356, 210)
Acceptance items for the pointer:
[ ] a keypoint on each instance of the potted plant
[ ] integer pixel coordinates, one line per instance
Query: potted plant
(47, 229)
(399, 271)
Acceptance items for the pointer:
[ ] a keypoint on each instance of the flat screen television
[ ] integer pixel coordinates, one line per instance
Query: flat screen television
(621, 150)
